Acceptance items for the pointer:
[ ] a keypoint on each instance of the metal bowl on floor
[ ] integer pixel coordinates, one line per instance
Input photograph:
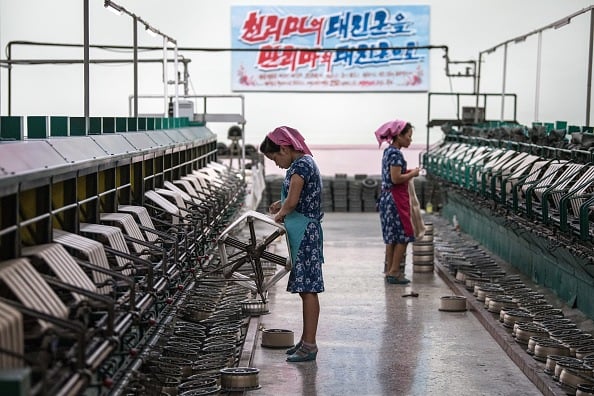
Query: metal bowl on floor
(277, 338)
(452, 303)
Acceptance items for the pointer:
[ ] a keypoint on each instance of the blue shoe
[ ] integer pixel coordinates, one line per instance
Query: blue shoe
(293, 349)
(302, 356)
(396, 281)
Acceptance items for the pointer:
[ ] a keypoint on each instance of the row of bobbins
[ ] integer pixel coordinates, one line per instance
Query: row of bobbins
(423, 251)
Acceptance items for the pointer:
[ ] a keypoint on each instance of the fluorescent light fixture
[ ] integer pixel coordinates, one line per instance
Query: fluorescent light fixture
(116, 9)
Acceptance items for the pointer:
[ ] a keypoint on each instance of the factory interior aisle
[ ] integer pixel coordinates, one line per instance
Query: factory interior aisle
(373, 339)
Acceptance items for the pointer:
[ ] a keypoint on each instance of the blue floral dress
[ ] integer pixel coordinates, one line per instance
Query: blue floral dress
(393, 203)
(304, 228)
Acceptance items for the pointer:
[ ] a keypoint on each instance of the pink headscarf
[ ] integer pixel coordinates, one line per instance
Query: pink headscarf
(287, 136)
(387, 131)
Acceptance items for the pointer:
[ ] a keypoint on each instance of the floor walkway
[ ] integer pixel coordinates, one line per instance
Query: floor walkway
(374, 341)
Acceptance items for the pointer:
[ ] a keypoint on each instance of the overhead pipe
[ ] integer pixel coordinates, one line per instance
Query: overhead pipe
(554, 25)
(9, 61)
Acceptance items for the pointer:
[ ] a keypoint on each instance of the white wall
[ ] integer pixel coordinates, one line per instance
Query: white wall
(465, 26)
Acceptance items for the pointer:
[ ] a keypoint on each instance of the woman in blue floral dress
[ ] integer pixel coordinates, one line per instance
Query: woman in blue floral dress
(300, 210)
(394, 201)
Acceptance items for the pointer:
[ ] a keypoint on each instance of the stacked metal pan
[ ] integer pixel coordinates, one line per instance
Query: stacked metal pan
(423, 250)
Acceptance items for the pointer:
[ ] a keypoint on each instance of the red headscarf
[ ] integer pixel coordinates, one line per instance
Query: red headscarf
(287, 136)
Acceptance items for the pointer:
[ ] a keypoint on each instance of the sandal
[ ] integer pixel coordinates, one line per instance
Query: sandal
(397, 281)
(294, 348)
(302, 356)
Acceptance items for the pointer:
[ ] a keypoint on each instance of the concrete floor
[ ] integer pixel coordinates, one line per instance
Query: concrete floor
(373, 341)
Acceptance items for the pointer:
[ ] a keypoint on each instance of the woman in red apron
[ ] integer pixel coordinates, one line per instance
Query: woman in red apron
(394, 201)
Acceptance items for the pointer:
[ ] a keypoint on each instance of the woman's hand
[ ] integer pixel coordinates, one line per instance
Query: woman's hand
(274, 207)
(279, 218)
(416, 172)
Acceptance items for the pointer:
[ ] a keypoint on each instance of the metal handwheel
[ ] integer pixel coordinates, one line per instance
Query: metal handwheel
(234, 253)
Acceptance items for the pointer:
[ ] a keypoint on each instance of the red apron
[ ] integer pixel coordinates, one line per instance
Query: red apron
(402, 201)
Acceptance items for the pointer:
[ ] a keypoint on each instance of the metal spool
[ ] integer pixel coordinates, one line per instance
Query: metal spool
(423, 258)
(188, 335)
(422, 268)
(570, 363)
(584, 390)
(227, 329)
(205, 377)
(535, 340)
(220, 339)
(510, 289)
(423, 248)
(462, 275)
(197, 384)
(574, 345)
(557, 321)
(584, 351)
(277, 338)
(584, 338)
(546, 347)
(512, 316)
(528, 295)
(548, 314)
(518, 292)
(551, 363)
(524, 331)
(452, 303)
(563, 334)
(185, 365)
(221, 349)
(536, 308)
(209, 365)
(182, 325)
(570, 379)
(485, 291)
(498, 302)
(471, 281)
(426, 239)
(239, 379)
(254, 307)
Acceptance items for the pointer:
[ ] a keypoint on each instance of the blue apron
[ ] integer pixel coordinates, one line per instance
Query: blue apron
(296, 223)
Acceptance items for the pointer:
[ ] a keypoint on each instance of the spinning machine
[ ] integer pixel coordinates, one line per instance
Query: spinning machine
(122, 266)
(528, 195)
